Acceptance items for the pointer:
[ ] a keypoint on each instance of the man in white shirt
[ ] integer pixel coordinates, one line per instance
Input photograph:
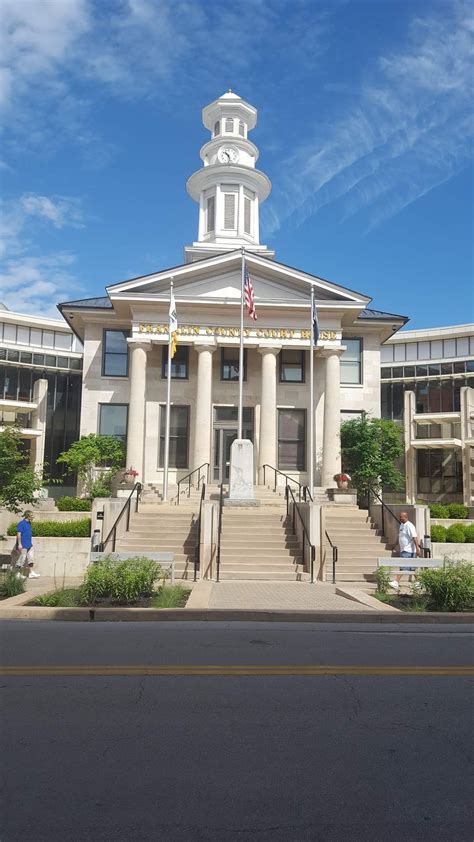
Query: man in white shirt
(408, 543)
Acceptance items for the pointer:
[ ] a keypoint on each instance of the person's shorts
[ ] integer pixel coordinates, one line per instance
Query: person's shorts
(408, 555)
(23, 557)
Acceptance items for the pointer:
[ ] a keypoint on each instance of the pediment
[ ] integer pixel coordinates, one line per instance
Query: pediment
(218, 279)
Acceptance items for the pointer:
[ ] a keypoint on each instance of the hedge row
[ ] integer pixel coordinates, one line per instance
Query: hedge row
(457, 533)
(74, 504)
(453, 511)
(56, 529)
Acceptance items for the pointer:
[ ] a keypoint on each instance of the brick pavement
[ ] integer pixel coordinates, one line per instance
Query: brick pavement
(280, 595)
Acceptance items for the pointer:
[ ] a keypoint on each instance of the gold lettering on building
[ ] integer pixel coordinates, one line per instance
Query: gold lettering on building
(234, 332)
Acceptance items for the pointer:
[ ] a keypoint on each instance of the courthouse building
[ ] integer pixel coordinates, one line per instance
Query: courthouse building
(125, 335)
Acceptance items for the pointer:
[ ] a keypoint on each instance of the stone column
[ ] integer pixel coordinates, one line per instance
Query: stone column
(409, 409)
(267, 451)
(38, 422)
(332, 415)
(136, 408)
(203, 409)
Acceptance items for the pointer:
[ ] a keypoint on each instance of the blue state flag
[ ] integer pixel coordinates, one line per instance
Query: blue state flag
(314, 317)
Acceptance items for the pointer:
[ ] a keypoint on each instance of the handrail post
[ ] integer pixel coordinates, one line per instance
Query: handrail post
(127, 528)
(334, 561)
(113, 538)
(275, 481)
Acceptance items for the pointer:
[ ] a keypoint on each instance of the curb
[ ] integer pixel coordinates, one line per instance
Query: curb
(229, 615)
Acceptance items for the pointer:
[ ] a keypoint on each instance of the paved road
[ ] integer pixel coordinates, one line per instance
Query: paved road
(218, 758)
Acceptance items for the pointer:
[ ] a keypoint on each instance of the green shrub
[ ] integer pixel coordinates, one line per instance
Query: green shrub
(438, 533)
(174, 596)
(455, 534)
(382, 577)
(56, 529)
(449, 588)
(11, 585)
(74, 504)
(469, 534)
(122, 581)
(66, 598)
(439, 510)
(457, 510)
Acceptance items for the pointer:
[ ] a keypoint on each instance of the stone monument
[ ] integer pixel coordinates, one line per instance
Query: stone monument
(241, 490)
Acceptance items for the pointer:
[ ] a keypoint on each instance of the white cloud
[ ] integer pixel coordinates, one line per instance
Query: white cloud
(409, 131)
(30, 281)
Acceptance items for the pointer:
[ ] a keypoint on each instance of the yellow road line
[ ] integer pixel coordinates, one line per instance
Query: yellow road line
(231, 669)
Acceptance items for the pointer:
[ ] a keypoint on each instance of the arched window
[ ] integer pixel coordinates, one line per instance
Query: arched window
(229, 124)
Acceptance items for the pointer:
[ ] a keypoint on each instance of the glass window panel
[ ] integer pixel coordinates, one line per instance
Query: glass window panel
(447, 402)
(386, 400)
(113, 420)
(63, 362)
(397, 401)
(75, 363)
(1, 330)
(457, 395)
(386, 354)
(434, 401)
(449, 347)
(36, 336)
(50, 360)
(291, 366)
(3, 353)
(63, 341)
(421, 394)
(421, 370)
(353, 349)
(399, 355)
(230, 364)
(26, 357)
(291, 439)
(471, 344)
(446, 368)
(230, 413)
(423, 350)
(386, 373)
(48, 339)
(436, 348)
(25, 385)
(350, 372)
(411, 351)
(116, 342)
(115, 365)
(115, 359)
(397, 371)
(9, 333)
(469, 365)
(179, 436)
(459, 367)
(13, 356)
(462, 346)
(11, 383)
(434, 369)
(409, 371)
(179, 363)
(38, 359)
(23, 335)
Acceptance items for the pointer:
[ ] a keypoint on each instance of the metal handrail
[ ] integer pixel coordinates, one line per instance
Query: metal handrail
(126, 507)
(384, 506)
(307, 493)
(188, 477)
(219, 530)
(335, 556)
(288, 478)
(296, 508)
(197, 552)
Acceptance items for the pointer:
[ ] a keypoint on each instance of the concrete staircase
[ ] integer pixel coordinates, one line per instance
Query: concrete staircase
(258, 544)
(359, 543)
(164, 528)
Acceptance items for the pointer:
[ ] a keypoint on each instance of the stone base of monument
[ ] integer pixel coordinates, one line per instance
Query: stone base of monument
(241, 489)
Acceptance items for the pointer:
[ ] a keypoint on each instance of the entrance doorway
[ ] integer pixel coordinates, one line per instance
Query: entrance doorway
(225, 432)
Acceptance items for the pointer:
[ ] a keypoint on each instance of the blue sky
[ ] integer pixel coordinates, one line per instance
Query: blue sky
(365, 129)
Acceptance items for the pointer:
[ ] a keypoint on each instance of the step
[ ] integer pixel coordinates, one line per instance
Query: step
(230, 575)
(268, 567)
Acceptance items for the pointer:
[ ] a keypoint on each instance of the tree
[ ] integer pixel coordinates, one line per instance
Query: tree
(370, 448)
(88, 454)
(19, 482)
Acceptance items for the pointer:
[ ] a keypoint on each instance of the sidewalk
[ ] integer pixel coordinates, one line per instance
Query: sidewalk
(280, 595)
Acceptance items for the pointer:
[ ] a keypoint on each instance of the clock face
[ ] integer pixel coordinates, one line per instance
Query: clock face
(228, 155)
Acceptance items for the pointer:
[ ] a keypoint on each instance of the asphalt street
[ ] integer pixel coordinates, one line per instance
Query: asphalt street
(247, 732)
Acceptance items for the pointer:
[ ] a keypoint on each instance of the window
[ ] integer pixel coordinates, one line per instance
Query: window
(63, 341)
(400, 353)
(115, 354)
(48, 339)
(423, 350)
(351, 361)
(247, 215)
(36, 336)
(462, 347)
(436, 348)
(241, 129)
(411, 351)
(217, 128)
(230, 413)
(179, 363)
(291, 439)
(26, 357)
(449, 348)
(386, 354)
(230, 364)
(210, 214)
(9, 333)
(439, 471)
(385, 373)
(409, 371)
(113, 419)
(229, 211)
(229, 124)
(291, 366)
(23, 335)
(179, 436)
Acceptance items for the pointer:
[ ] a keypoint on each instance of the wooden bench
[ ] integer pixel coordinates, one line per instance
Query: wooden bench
(395, 564)
(165, 560)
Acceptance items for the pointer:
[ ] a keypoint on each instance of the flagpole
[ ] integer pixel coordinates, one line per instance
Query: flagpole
(311, 397)
(168, 410)
(241, 349)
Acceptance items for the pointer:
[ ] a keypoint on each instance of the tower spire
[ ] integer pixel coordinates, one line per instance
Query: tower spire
(228, 187)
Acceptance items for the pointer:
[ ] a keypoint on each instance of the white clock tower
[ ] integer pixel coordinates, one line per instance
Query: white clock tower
(228, 187)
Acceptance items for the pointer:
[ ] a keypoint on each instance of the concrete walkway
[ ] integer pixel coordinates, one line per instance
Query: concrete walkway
(280, 595)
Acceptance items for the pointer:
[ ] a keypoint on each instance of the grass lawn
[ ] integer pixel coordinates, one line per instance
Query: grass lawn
(408, 602)
(175, 596)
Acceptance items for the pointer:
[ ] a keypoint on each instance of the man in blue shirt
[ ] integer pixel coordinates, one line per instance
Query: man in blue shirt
(23, 551)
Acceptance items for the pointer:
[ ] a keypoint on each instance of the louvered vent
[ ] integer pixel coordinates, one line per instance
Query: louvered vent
(229, 211)
(217, 128)
(247, 215)
(241, 129)
(211, 214)
(229, 124)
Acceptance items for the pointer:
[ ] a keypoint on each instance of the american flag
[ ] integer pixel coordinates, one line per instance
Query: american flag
(249, 297)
